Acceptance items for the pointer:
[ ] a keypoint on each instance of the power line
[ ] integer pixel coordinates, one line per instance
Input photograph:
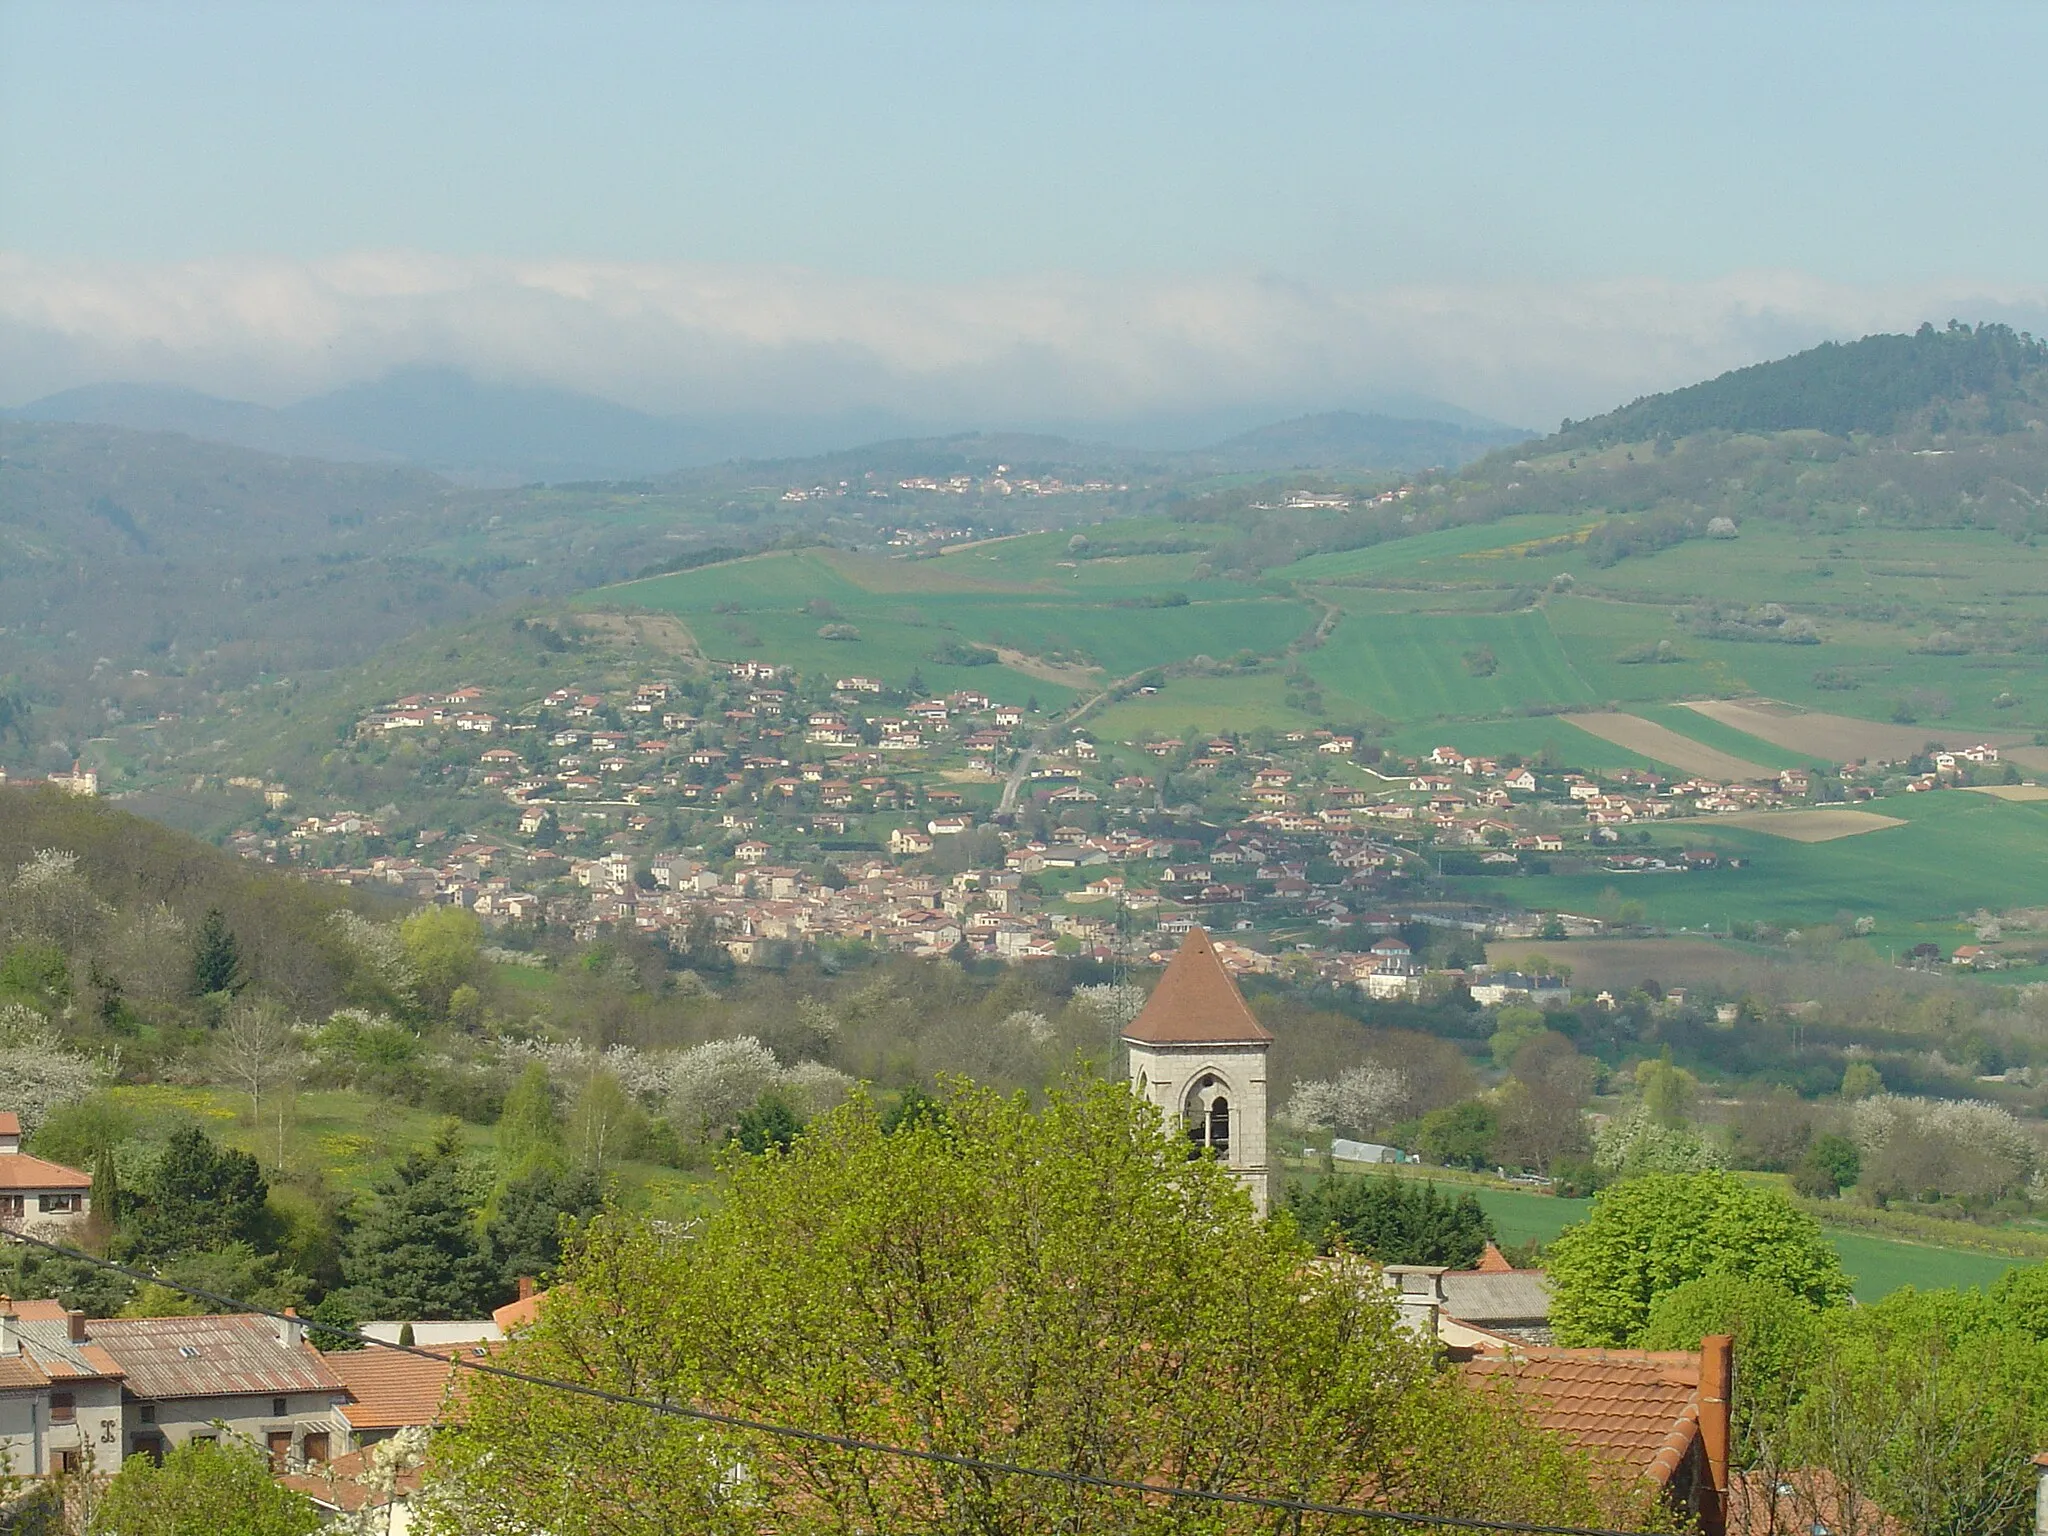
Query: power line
(672, 1410)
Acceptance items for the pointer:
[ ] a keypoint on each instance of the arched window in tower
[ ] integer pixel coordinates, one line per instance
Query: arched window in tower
(1206, 1116)
(1219, 1126)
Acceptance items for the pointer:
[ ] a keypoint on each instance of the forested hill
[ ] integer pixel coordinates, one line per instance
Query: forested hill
(1994, 378)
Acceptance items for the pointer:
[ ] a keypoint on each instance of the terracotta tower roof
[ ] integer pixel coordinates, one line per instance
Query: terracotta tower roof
(1196, 1003)
(1493, 1262)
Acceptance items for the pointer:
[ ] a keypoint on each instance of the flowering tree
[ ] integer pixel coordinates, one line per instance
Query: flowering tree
(1359, 1100)
(38, 1071)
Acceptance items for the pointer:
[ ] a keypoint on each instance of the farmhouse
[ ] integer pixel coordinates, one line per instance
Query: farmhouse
(37, 1196)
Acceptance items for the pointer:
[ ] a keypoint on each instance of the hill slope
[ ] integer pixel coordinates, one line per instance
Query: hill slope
(1868, 386)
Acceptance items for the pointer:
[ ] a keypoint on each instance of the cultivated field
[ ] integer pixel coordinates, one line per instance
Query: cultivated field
(1829, 738)
(1619, 964)
(1808, 826)
(2019, 792)
(1667, 746)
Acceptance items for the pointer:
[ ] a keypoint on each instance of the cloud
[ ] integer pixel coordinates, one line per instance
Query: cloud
(689, 338)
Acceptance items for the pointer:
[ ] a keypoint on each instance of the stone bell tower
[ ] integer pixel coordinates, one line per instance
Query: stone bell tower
(1199, 1055)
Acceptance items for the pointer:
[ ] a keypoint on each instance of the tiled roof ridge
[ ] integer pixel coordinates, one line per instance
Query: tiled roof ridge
(1196, 1003)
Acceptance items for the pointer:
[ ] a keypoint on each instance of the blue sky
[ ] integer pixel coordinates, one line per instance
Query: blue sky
(1874, 159)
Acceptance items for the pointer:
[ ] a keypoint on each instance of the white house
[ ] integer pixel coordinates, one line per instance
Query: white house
(37, 1196)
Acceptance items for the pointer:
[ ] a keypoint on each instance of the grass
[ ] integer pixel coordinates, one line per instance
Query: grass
(1434, 666)
(1956, 853)
(352, 1140)
(1527, 736)
(1876, 1266)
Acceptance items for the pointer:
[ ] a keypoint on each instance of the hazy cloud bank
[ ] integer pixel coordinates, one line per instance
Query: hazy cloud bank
(676, 339)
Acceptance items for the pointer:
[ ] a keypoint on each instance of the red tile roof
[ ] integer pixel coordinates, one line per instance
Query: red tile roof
(1493, 1262)
(391, 1390)
(20, 1171)
(1635, 1411)
(1196, 1003)
(10, 1123)
(348, 1483)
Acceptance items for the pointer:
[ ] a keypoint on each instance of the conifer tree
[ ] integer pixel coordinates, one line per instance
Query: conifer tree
(216, 957)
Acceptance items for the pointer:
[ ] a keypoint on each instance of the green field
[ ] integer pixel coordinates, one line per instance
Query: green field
(1957, 852)
(1876, 1265)
(1436, 666)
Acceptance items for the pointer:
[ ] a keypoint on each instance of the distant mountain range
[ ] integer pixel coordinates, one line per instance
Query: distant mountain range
(514, 433)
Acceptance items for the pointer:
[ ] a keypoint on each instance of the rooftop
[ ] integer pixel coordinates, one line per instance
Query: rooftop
(219, 1356)
(1630, 1410)
(1196, 1003)
(388, 1389)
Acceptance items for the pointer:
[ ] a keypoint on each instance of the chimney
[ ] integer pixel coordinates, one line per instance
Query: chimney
(1717, 1370)
(291, 1333)
(74, 1326)
(10, 1341)
(526, 1287)
(2041, 1494)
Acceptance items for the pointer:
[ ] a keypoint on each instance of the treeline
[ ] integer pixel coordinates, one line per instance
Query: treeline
(1867, 386)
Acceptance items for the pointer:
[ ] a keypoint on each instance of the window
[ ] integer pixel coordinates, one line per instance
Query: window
(279, 1407)
(49, 1204)
(67, 1462)
(151, 1446)
(63, 1408)
(10, 1206)
(147, 1413)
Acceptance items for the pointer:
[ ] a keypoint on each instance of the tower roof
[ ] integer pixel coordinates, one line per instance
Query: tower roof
(1196, 1003)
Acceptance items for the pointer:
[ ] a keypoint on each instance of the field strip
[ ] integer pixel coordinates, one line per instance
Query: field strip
(1828, 738)
(1667, 746)
(1800, 826)
(1048, 671)
(2010, 791)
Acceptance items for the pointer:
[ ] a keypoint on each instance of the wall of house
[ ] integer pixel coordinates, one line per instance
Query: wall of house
(245, 1416)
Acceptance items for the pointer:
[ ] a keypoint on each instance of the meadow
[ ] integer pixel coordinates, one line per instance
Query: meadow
(1957, 852)
(1876, 1266)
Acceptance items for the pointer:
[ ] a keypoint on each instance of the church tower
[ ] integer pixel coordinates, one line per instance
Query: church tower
(1199, 1055)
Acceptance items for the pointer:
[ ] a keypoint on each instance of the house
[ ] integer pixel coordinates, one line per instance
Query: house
(118, 1387)
(38, 1196)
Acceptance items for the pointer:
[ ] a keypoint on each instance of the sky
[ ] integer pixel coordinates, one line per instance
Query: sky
(1014, 211)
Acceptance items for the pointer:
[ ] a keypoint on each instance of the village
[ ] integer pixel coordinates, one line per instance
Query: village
(788, 813)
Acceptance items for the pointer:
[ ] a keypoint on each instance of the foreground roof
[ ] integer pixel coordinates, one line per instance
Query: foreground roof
(1196, 1003)
(18, 1170)
(209, 1357)
(388, 1389)
(1633, 1411)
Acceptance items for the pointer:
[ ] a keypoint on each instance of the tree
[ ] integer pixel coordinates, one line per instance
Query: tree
(1541, 1108)
(523, 1236)
(1861, 1081)
(199, 1197)
(529, 1132)
(416, 1252)
(1650, 1235)
(605, 1125)
(203, 1488)
(216, 957)
(1831, 1165)
(1459, 1135)
(1931, 1407)
(257, 1049)
(1062, 1288)
(1393, 1220)
(1777, 1342)
(772, 1123)
(1667, 1090)
(442, 945)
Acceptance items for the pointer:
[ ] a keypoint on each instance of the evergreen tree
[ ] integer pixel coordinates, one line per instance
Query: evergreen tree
(106, 1190)
(1393, 1220)
(216, 957)
(772, 1122)
(524, 1233)
(416, 1253)
(201, 1197)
